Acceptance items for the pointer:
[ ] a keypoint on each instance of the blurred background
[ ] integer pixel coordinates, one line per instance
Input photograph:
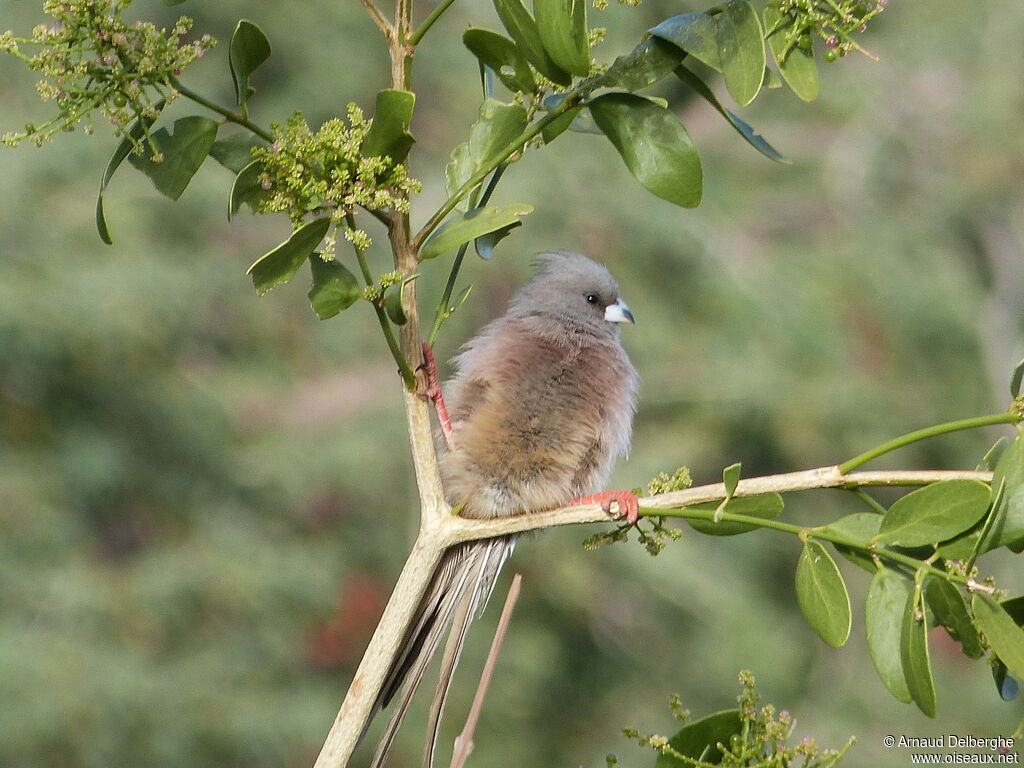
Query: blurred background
(205, 497)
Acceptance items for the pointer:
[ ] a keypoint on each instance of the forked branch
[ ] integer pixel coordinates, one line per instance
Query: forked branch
(378, 18)
(440, 529)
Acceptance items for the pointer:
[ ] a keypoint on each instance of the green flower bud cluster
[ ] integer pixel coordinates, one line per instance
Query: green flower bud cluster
(374, 293)
(662, 483)
(763, 738)
(651, 533)
(603, 4)
(307, 172)
(90, 60)
(656, 537)
(834, 21)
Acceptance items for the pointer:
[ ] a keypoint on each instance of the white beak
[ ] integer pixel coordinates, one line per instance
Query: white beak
(618, 313)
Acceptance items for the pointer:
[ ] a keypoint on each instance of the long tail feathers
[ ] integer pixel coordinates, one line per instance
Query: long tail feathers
(459, 592)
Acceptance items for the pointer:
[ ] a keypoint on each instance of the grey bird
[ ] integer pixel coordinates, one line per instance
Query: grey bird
(540, 407)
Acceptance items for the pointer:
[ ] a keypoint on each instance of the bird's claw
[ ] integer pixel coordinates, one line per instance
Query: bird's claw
(429, 367)
(433, 391)
(628, 504)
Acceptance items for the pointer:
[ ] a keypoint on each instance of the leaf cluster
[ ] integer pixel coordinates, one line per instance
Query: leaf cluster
(922, 553)
(346, 165)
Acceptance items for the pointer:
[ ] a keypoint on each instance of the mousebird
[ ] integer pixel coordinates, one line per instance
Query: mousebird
(540, 407)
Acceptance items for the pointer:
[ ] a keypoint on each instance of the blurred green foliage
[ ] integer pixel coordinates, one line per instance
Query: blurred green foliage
(205, 497)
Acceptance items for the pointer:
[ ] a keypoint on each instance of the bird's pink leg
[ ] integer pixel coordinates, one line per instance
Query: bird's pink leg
(437, 397)
(629, 505)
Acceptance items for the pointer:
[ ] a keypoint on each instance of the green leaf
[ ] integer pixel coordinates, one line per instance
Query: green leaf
(741, 49)
(393, 305)
(766, 506)
(822, 595)
(501, 54)
(1015, 379)
(796, 65)
(234, 152)
(472, 224)
(1001, 631)
(172, 2)
(560, 124)
(1007, 685)
(562, 25)
(730, 477)
(654, 145)
(249, 48)
(184, 149)
(645, 65)
(334, 287)
(461, 298)
(696, 33)
(934, 513)
(498, 126)
(960, 547)
(698, 740)
(1015, 607)
(576, 119)
(950, 609)
(917, 668)
(389, 132)
(883, 620)
(860, 527)
(484, 244)
(135, 132)
(245, 188)
(281, 263)
(743, 129)
(991, 458)
(521, 27)
(771, 79)
(1008, 528)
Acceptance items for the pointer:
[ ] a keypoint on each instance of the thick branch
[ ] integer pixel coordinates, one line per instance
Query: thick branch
(430, 544)
(383, 647)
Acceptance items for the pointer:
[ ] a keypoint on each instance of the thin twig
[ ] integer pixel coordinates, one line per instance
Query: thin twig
(1010, 417)
(213, 106)
(443, 308)
(571, 100)
(408, 376)
(464, 742)
(378, 18)
(428, 22)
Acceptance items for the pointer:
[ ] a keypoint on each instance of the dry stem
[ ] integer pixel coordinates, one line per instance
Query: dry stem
(464, 743)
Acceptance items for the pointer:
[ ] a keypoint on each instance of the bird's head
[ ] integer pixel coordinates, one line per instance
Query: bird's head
(570, 288)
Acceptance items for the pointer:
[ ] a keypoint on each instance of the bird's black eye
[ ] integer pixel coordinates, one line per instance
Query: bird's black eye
(592, 298)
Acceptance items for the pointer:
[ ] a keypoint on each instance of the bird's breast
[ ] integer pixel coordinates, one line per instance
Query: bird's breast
(542, 433)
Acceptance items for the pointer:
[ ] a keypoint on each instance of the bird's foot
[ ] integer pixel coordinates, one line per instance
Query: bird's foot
(433, 391)
(629, 505)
